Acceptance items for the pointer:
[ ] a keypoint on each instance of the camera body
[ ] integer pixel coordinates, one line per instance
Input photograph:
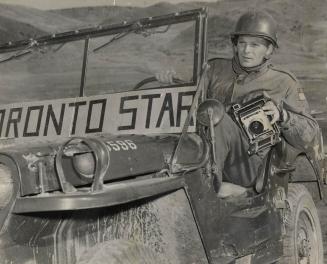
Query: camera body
(256, 124)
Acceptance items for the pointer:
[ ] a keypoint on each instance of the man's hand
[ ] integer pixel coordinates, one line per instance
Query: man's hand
(272, 110)
(166, 77)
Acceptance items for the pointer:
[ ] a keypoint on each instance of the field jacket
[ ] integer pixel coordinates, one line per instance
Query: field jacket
(231, 84)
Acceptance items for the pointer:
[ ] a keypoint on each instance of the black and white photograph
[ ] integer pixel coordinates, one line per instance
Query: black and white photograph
(163, 132)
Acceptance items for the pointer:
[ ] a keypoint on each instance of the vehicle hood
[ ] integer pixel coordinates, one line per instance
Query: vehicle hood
(130, 156)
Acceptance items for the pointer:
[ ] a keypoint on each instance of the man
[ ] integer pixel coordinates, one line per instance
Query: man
(247, 75)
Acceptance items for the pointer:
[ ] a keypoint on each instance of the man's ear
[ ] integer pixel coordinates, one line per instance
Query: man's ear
(234, 49)
(269, 52)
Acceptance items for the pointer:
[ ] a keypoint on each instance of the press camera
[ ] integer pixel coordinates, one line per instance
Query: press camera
(256, 124)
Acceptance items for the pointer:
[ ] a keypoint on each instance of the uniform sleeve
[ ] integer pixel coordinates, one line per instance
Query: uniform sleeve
(220, 78)
(299, 129)
(213, 72)
(209, 78)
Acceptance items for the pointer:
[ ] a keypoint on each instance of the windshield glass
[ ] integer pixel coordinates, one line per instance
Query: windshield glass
(48, 72)
(137, 56)
(119, 62)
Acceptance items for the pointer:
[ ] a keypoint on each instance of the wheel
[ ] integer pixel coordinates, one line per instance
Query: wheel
(121, 251)
(303, 242)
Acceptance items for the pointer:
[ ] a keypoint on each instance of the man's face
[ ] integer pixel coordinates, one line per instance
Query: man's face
(252, 50)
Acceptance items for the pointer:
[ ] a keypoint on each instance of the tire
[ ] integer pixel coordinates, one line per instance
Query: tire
(121, 252)
(303, 241)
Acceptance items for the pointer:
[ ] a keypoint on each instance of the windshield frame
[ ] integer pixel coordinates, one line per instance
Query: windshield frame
(197, 15)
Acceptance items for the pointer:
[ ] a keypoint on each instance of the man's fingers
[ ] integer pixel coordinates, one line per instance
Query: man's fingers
(166, 77)
(270, 112)
(158, 77)
(170, 76)
(271, 109)
(269, 106)
(274, 119)
(274, 116)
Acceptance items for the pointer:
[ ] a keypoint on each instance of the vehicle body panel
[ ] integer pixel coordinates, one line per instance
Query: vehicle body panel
(164, 225)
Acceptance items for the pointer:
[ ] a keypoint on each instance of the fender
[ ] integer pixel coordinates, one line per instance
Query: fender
(306, 170)
(163, 225)
(309, 173)
(13, 167)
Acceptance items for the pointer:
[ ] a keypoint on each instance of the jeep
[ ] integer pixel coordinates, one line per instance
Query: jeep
(100, 163)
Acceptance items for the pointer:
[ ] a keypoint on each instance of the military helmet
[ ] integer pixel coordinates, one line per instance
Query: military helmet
(256, 23)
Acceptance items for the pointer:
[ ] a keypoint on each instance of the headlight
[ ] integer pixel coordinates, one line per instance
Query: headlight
(90, 159)
(6, 185)
(84, 164)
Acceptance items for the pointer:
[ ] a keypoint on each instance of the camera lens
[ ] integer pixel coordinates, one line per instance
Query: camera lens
(256, 127)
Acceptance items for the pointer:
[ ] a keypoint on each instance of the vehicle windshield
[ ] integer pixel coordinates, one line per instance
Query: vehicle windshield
(120, 61)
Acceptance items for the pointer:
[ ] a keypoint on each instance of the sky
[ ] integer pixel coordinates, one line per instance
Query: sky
(58, 4)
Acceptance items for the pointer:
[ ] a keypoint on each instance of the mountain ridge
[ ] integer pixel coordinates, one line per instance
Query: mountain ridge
(302, 34)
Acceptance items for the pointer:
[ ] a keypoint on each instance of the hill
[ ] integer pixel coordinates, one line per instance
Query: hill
(298, 20)
(117, 14)
(19, 22)
(302, 26)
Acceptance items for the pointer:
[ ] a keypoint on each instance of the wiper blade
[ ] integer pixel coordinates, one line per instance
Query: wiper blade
(15, 56)
(59, 47)
(33, 43)
(137, 28)
(148, 32)
(116, 37)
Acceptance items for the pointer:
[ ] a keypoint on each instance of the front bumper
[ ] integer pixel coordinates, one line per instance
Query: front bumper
(112, 194)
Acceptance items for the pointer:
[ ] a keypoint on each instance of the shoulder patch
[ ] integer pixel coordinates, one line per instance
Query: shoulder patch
(278, 69)
(301, 94)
